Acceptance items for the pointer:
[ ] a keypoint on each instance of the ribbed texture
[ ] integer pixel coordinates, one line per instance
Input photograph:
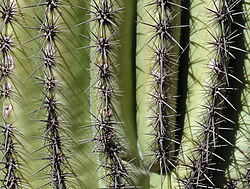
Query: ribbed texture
(104, 26)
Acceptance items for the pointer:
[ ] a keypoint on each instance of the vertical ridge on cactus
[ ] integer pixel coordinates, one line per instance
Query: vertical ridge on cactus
(150, 94)
(11, 148)
(164, 42)
(56, 136)
(216, 123)
(104, 26)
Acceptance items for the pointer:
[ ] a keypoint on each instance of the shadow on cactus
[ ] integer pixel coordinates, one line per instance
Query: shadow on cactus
(124, 94)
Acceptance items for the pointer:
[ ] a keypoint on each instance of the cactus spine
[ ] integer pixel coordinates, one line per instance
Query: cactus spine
(207, 160)
(164, 42)
(104, 26)
(56, 135)
(139, 130)
(10, 145)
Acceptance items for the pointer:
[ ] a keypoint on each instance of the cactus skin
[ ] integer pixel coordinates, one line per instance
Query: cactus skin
(163, 101)
(11, 148)
(164, 43)
(104, 90)
(217, 128)
(237, 172)
(132, 73)
(56, 137)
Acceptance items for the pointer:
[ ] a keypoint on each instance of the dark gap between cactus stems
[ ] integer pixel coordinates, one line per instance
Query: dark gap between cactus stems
(235, 98)
(133, 49)
(182, 75)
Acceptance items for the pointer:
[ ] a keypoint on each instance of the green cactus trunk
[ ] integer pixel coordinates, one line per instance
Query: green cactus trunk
(125, 94)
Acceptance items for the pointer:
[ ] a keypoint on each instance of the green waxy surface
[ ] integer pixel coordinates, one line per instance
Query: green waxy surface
(135, 60)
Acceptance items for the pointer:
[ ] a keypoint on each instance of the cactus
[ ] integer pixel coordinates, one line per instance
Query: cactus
(124, 94)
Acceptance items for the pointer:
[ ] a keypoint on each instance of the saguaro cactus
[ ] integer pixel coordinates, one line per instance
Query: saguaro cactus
(11, 170)
(125, 94)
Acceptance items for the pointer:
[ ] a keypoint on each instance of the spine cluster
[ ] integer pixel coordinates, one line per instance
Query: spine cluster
(55, 136)
(163, 74)
(103, 46)
(10, 160)
(215, 121)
